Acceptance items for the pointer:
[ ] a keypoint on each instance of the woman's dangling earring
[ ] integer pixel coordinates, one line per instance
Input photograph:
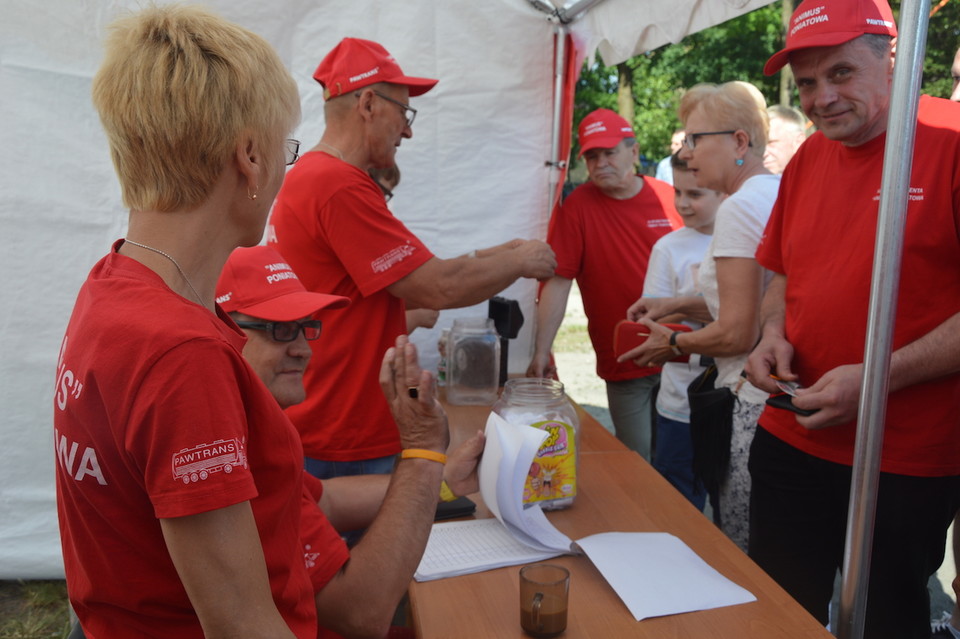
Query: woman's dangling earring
(739, 161)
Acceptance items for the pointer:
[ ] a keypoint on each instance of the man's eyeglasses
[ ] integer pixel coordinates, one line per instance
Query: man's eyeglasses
(690, 141)
(409, 113)
(387, 193)
(293, 151)
(286, 331)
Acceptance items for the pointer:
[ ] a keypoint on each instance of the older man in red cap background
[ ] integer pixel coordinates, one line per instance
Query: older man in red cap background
(602, 235)
(331, 223)
(820, 244)
(279, 316)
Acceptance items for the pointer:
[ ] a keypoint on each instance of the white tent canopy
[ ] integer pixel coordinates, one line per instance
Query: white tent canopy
(473, 175)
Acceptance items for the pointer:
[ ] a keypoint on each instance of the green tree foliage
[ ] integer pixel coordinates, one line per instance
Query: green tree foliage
(943, 39)
(734, 50)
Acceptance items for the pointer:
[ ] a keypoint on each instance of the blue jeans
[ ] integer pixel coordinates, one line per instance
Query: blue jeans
(323, 469)
(674, 459)
(631, 404)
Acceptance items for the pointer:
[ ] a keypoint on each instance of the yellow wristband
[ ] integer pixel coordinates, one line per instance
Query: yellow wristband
(445, 493)
(423, 453)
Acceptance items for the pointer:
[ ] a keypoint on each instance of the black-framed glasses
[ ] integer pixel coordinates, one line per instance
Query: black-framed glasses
(690, 140)
(286, 331)
(409, 113)
(387, 193)
(293, 151)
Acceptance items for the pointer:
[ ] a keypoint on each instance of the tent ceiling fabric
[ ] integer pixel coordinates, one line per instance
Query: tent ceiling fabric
(473, 175)
(621, 29)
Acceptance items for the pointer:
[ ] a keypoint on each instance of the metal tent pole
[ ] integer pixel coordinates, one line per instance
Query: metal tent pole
(573, 11)
(562, 17)
(556, 162)
(897, 163)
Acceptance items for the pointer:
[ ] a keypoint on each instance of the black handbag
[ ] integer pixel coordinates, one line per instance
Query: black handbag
(711, 427)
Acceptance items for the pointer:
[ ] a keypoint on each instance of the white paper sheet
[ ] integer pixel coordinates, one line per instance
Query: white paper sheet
(518, 535)
(465, 547)
(506, 460)
(656, 574)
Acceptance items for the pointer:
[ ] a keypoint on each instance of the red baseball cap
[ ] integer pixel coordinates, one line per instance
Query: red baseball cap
(355, 63)
(603, 129)
(827, 23)
(257, 281)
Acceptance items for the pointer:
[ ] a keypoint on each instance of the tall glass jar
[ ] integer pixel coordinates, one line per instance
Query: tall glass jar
(442, 365)
(473, 362)
(541, 403)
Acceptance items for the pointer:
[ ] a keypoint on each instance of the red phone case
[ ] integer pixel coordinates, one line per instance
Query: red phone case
(628, 335)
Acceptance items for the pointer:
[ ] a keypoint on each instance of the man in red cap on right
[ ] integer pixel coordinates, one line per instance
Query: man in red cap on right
(603, 235)
(331, 223)
(819, 242)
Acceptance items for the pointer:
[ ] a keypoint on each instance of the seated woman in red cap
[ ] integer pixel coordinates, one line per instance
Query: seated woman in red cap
(279, 316)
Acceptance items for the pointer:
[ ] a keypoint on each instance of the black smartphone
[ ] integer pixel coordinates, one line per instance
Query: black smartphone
(459, 507)
(784, 401)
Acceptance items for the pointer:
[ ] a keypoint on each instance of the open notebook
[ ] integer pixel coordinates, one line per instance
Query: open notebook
(653, 573)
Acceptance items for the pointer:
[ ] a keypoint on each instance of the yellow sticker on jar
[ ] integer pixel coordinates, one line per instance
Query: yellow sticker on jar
(553, 473)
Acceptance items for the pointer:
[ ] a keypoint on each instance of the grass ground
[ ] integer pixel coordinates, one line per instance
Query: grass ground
(33, 610)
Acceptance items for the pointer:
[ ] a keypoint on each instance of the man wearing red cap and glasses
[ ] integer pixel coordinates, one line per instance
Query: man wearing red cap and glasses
(820, 244)
(266, 299)
(332, 224)
(603, 235)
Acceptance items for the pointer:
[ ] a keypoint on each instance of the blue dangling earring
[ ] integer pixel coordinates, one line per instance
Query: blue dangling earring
(739, 161)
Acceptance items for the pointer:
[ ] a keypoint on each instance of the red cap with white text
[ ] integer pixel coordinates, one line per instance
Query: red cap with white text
(257, 281)
(355, 63)
(828, 23)
(603, 129)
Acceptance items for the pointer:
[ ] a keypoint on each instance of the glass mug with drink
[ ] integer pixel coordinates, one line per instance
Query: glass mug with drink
(543, 599)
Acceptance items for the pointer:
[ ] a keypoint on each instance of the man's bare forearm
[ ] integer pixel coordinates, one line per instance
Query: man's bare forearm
(773, 307)
(382, 564)
(934, 355)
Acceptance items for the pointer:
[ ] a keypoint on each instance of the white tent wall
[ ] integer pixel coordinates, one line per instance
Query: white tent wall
(473, 174)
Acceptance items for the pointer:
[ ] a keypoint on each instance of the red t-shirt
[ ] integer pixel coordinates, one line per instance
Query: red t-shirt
(821, 234)
(604, 244)
(157, 415)
(324, 551)
(332, 225)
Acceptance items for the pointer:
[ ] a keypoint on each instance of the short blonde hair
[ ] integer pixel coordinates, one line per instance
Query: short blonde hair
(179, 87)
(732, 105)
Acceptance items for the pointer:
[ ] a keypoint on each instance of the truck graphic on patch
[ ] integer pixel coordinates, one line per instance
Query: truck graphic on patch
(197, 463)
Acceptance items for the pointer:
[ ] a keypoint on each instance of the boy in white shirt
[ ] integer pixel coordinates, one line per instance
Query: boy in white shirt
(672, 272)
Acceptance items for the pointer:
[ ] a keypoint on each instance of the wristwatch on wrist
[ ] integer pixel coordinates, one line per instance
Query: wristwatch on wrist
(673, 343)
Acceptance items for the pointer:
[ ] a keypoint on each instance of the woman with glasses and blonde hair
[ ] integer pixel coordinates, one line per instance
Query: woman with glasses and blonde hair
(178, 477)
(726, 131)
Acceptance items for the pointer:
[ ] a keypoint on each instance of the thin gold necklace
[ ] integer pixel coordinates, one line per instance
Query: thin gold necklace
(180, 270)
(332, 148)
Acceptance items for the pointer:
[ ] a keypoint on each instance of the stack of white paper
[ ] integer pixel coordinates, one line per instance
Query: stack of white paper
(654, 574)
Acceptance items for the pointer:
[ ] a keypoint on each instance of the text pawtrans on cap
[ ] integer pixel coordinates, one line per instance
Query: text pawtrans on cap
(827, 23)
(356, 63)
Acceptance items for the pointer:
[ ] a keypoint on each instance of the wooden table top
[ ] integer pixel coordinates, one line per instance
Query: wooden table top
(619, 492)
